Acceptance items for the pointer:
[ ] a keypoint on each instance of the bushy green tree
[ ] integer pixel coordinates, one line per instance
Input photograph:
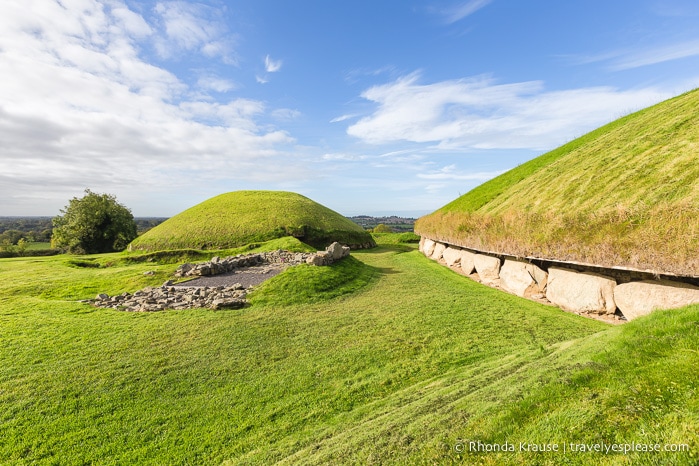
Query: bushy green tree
(92, 224)
(381, 228)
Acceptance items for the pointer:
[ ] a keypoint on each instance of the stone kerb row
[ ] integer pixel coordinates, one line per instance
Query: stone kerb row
(572, 290)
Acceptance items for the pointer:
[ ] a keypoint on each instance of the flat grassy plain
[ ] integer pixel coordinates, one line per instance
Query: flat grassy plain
(386, 358)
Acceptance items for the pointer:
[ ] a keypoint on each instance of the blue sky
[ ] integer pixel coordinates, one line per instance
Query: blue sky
(366, 107)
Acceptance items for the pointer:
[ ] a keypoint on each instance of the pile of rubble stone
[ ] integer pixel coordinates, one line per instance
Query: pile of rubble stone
(169, 296)
(183, 296)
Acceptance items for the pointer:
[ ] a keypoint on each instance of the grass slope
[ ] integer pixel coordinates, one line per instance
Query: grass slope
(402, 367)
(625, 194)
(242, 217)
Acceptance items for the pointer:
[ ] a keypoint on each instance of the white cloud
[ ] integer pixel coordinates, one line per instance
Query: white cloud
(477, 113)
(272, 66)
(81, 108)
(450, 173)
(216, 84)
(192, 27)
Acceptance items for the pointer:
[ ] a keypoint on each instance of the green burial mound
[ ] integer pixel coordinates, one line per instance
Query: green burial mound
(626, 194)
(244, 217)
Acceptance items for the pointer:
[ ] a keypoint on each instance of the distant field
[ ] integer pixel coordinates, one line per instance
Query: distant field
(387, 358)
(38, 246)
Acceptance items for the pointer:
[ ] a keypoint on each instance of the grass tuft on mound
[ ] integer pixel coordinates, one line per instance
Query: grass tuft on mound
(242, 217)
(626, 194)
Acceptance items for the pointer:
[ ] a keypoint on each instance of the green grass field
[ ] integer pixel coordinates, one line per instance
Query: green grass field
(625, 194)
(386, 358)
(238, 218)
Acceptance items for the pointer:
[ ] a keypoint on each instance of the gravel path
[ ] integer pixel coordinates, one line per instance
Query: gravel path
(247, 276)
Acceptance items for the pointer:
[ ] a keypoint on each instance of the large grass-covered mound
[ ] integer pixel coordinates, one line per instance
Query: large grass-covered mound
(626, 194)
(243, 217)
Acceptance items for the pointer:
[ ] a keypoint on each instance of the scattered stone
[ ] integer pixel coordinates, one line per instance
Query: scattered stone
(149, 273)
(172, 296)
(581, 291)
(636, 299)
(175, 297)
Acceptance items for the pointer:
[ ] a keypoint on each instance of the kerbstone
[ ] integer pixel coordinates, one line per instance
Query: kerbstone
(523, 278)
(637, 299)
(581, 291)
(488, 268)
(452, 256)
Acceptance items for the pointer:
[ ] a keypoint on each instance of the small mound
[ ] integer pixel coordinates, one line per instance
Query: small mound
(242, 217)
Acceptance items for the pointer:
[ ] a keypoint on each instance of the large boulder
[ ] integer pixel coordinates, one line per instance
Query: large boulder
(428, 247)
(522, 278)
(452, 256)
(488, 268)
(467, 265)
(439, 249)
(338, 251)
(636, 299)
(581, 291)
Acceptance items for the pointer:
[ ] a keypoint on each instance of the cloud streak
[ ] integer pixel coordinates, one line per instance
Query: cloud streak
(462, 10)
(477, 113)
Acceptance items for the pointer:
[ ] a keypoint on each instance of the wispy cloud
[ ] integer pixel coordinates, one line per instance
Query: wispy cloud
(272, 66)
(477, 113)
(192, 27)
(462, 10)
(344, 117)
(626, 59)
(216, 84)
(450, 172)
(656, 55)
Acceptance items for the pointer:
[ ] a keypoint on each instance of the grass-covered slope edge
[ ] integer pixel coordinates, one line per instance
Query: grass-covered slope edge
(626, 194)
(243, 217)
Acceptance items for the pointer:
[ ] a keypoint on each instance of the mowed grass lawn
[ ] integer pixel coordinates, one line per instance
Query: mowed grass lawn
(387, 358)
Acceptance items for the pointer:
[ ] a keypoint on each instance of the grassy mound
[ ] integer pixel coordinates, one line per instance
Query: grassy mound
(235, 219)
(625, 194)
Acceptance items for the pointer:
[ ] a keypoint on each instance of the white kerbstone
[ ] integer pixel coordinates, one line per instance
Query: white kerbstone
(488, 268)
(581, 291)
(452, 256)
(439, 249)
(522, 278)
(421, 244)
(637, 299)
(466, 262)
(428, 247)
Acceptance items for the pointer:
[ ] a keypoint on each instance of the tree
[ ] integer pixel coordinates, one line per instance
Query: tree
(381, 228)
(93, 224)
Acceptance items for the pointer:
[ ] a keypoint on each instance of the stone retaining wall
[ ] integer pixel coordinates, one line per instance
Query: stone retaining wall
(573, 287)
